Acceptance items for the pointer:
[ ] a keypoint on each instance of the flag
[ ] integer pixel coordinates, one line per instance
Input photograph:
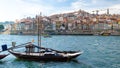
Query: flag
(32, 40)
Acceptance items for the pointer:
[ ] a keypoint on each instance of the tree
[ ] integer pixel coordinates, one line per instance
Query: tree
(1, 27)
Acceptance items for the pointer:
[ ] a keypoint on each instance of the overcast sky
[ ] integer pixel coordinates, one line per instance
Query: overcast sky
(10, 10)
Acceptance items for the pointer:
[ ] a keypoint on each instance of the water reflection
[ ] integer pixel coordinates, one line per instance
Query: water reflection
(49, 64)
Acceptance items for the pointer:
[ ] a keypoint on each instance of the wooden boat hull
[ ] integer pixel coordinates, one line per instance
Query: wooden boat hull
(3, 56)
(42, 58)
(105, 33)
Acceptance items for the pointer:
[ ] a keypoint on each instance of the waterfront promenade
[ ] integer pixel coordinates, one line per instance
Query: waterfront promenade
(80, 32)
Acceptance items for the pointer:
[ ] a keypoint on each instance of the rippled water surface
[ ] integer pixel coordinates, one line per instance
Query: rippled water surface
(99, 51)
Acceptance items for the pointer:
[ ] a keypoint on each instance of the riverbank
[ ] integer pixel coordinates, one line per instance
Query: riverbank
(80, 32)
(75, 32)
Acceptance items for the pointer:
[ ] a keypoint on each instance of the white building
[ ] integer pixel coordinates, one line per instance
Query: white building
(54, 25)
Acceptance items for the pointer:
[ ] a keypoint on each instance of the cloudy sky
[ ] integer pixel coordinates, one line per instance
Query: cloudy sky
(17, 9)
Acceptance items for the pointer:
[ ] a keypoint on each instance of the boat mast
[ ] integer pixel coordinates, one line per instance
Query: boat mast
(40, 30)
(39, 27)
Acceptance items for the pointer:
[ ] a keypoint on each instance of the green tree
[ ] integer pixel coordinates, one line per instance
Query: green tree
(1, 27)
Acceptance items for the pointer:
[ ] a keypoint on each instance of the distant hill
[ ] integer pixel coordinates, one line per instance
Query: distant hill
(7, 22)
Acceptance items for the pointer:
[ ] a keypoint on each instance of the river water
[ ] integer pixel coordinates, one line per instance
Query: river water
(99, 51)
